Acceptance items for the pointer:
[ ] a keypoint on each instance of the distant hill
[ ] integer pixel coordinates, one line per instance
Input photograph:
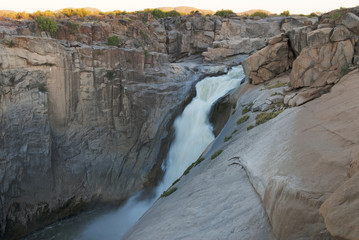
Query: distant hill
(249, 12)
(186, 10)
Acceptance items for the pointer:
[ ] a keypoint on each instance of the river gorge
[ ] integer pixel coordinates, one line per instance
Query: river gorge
(92, 134)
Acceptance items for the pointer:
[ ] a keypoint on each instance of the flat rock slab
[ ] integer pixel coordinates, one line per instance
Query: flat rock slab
(218, 203)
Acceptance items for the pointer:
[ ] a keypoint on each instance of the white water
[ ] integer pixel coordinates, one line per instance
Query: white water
(193, 133)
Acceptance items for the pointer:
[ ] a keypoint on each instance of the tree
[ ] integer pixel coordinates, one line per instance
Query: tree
(224, 13)
(285, 13)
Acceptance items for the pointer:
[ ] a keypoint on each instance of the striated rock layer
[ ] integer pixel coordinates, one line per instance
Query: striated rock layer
(80, 125)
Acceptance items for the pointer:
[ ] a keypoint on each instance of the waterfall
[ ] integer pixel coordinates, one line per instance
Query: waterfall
(193, 133)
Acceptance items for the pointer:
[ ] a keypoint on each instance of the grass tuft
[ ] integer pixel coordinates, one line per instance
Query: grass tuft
(242, 119)
(216, 154)
(168, 192)
(264, 117)
(227, 138)
(250, 127)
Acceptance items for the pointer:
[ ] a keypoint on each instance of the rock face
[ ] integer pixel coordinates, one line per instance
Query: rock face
(323, 60)
(351, 21)
(80, 125)
(270, 61)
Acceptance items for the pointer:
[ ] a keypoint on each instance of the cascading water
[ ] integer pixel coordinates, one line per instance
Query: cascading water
(193, 133)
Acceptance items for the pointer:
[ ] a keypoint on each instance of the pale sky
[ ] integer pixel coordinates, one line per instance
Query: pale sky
(275, 6)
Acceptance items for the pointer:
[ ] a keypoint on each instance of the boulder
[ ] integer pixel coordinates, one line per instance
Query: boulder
(340, 33)
(267, 63)
(305, 95)
(227, 48)
(318, 37)
(298, 38)
(340, 210)
(351, 21)
(322, 64)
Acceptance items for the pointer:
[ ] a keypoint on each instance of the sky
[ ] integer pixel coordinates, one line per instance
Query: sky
(274, 6)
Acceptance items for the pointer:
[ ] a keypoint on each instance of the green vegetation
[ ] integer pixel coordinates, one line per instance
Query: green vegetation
(339, 13)
(259, 14)
(110, 75)
(247, 108)
(264, 117)
(250, 127)
(176, 181)
(188, 169)
(147, 54)
(73, 28)
(47, 24)
(285, 13)
(216, 154)
(224, 13)
(172, 13)
(168, 192)
(276, 93)
(242, 119)
(199, 160)
(114, 41)
(11, 44)
(81, 12)
(344, 70)
(234, 105)
(227, 138)
(157, 13)
(277, 85)
(234, 131)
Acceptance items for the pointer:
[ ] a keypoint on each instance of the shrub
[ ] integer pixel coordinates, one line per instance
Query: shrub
(47, 24)
(234, 131)
(259, 14)
(264, 117)
(73, 28)
(188, 169)
(247, 108)
(172, 13)
(11, 44)
(285, 13)
(216, 154)
(168, 192)
(344, 70)
(147, 54)
(242, 119)
(199, 160)
(224, 13)
(250, 127)
(110, 75)
(176, 181)
(114, 41)
(156, 13)
(227, 138)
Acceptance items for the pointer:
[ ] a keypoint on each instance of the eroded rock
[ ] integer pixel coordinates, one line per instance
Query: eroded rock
(268, 62)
